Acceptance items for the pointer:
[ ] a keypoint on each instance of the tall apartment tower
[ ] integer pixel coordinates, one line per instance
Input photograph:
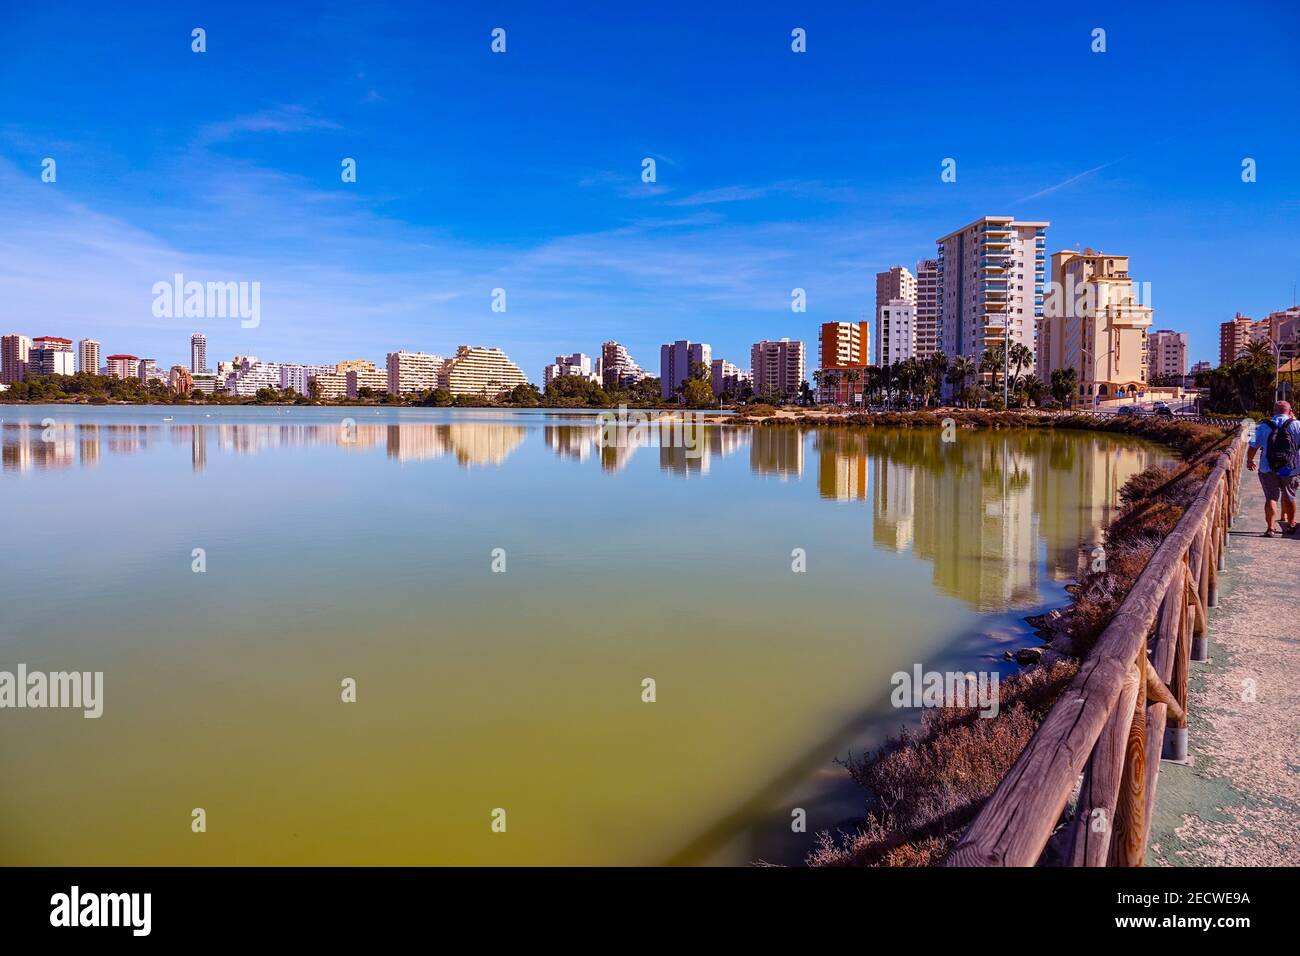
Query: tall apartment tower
(88, 356)
(991, 278)
(14, 351)
(1096, 325)
(1166, 354)
(896, 283)
(1234, 336)
(676, 362)
(777, 368)
(198, 352)
(929, 338)
(895, 332)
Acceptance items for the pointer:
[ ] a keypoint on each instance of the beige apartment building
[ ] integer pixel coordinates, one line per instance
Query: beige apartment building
(895, 283)
(777, 368)
(88, 356)
(412, 372)
(475, 370)
(1166, 354)
(1094, 323)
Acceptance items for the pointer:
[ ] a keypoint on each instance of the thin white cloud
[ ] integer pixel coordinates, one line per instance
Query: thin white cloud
(1069, 181)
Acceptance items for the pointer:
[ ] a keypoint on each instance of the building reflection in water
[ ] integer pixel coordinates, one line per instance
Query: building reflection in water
(981, 510)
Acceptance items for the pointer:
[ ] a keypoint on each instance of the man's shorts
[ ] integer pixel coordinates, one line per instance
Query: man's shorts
(1276, 487)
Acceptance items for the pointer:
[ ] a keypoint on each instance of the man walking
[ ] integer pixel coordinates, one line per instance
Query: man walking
(1279, 465)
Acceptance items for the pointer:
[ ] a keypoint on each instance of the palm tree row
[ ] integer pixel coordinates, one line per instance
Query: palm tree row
(918, 382)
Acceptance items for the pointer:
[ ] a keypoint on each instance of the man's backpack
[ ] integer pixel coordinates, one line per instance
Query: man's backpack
(1283, 448)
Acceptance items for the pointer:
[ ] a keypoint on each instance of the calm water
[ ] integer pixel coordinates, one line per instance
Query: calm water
(366, 552)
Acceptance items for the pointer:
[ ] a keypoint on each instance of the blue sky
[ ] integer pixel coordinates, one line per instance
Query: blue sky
(522, 170)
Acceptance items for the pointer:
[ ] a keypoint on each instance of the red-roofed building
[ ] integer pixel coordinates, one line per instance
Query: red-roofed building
(51, 355)
(124, 366)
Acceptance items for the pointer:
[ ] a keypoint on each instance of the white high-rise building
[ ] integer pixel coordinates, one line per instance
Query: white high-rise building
(413, 372)
(298, 377)
(198, 352)
(992, 273)
(51, 355)
(577, 364)
(617, 367)
(248, 375)
(88, 356)
(123, 366)
(895, 332)
(1166, 354)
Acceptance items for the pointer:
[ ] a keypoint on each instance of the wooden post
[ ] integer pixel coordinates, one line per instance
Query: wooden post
(1094, 815)
(1126, 845)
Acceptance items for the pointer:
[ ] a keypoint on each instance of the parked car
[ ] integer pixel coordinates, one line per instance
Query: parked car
(1131, 410)
(1164, 410)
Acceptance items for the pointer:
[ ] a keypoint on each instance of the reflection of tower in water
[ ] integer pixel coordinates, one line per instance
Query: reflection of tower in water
(198, 448)
(975, 522)
(776, 451)
(842, 464)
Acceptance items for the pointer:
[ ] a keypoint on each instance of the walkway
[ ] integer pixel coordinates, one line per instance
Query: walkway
(1239, 804)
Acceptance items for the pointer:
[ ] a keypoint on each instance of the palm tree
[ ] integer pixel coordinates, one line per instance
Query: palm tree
(1020, 356)
(992, 363)
(831, 378)
(962, 369)
(1065, 383)
(936, 365)
(1259, 352)
(910, 377)
(852, 376)
(1035, 389)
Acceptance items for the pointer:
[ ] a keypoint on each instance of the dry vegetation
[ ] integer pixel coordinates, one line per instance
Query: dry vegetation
(928, 784)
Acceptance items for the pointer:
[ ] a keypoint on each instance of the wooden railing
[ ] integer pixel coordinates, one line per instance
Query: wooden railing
(1125, 709)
